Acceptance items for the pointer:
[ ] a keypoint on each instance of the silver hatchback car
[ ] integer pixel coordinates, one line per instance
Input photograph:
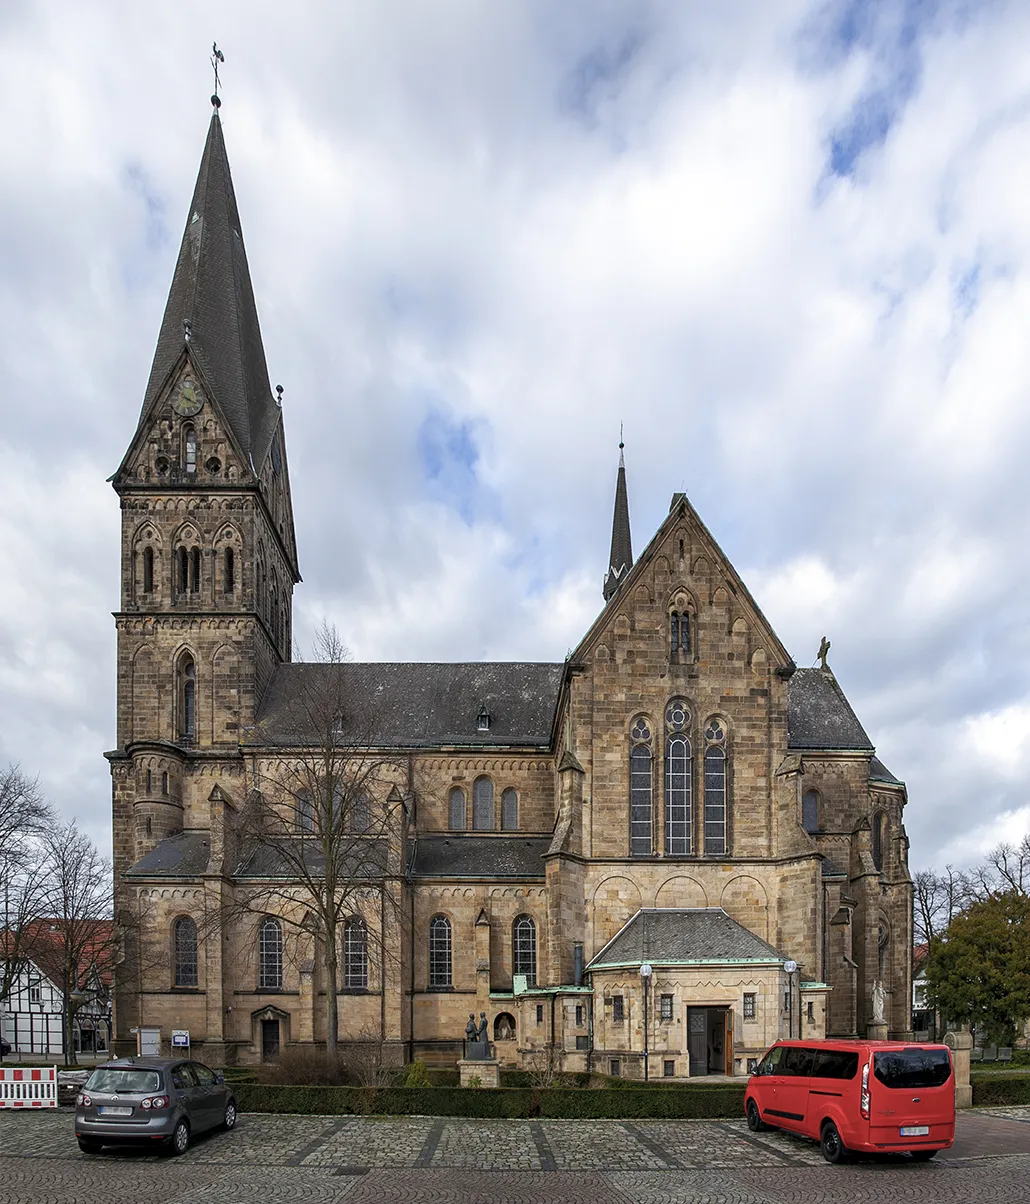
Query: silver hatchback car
(151, 1100)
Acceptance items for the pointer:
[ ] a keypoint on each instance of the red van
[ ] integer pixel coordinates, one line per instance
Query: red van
(869, 1096)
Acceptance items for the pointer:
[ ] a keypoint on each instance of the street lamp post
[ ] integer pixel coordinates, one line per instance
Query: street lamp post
(645, 978)
(790, 967)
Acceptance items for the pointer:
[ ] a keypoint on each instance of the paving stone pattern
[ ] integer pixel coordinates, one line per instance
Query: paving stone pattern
(459, 1161)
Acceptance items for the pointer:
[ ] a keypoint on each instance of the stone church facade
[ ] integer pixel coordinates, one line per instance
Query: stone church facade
(657, 856)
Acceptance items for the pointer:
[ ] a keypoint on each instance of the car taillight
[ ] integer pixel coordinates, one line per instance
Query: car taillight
(865, 1090)
(154, 1101)
(145, 1103)
(85, 1100)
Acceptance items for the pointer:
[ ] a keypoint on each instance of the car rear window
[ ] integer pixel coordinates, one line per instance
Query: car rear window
(835, 1064)
(129, 1080)
(907, 1069)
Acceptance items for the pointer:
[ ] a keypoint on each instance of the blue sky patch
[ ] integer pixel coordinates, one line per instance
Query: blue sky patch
(448, 454)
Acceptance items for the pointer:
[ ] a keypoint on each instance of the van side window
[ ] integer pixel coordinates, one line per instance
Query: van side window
(798, 1062)
(770, 1064)
(835, 1064)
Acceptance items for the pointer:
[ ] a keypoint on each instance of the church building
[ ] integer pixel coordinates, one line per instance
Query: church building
(655, 857)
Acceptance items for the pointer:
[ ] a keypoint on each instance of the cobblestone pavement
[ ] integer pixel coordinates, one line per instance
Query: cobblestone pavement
(452, 1161)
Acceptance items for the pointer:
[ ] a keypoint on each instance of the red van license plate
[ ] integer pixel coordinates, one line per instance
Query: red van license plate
(915, 1131)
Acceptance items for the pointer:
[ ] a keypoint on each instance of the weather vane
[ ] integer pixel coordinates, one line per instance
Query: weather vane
(216, 58)
(621, 444)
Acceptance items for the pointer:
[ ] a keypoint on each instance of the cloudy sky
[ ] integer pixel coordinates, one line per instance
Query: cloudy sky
(787, 244)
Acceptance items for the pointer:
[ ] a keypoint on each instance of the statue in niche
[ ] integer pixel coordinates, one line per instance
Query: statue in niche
(879, 1001)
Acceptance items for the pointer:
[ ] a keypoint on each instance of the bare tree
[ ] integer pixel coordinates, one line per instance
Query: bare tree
(320, 830)
(78, 934)
(1005, 870)
(938, 898)
(25, 817)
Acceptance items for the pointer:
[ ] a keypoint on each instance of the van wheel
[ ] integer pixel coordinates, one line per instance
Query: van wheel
(923, 1155)
(754, 1118)
(833, 1148)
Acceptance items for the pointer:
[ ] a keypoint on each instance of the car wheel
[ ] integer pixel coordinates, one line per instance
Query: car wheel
(923, 1155)
(179, 1141)
(229, 1121)
(89, 1147)
(754, 1117)
(833, 1148)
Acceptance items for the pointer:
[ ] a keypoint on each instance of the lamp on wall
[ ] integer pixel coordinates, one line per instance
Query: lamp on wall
(645, 978)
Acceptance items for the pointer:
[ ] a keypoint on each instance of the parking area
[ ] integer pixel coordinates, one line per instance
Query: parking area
(427, 1158)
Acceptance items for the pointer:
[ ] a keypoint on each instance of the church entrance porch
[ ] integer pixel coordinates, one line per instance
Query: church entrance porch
(710, 1040)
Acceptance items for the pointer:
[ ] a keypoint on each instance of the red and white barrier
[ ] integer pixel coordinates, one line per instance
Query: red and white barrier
(29, 1087)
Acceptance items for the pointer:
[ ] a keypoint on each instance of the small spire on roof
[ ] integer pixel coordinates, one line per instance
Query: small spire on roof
(620, 560)
(216, 58)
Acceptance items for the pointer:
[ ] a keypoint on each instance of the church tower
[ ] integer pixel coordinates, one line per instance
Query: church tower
(209, 557)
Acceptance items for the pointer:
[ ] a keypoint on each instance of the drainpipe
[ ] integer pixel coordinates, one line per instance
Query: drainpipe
(553, 1001)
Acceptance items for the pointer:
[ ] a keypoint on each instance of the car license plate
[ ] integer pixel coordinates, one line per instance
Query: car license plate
(109, 1110)
(915, 1131)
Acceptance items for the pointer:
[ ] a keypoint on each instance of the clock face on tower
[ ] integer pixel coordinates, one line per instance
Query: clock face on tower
(188, 399)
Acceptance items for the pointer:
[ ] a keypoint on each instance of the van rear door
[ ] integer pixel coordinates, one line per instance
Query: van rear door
(912, 1098)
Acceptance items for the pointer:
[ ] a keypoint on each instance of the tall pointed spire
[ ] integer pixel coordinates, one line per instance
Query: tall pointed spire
(211, 309)
(621, 559)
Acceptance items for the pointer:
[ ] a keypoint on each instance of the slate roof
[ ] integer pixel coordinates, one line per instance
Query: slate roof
(410, 705)
(620, 560)
(665, 935)
(878, 772)
(459, 856)
(182, 856)
(211, 288)
(819, 716)
(268, 860)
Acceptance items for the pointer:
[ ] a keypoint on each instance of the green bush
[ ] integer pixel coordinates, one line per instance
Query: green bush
(417, 1076)
(676, 1102)
(998, 1091)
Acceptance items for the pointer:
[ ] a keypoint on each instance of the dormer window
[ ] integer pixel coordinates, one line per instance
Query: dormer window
(483, 720)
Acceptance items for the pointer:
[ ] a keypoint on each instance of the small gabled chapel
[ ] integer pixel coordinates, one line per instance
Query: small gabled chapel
(655, 857)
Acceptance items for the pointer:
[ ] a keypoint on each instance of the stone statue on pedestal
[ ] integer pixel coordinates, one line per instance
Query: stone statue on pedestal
(879, 1001)
(477, 1044)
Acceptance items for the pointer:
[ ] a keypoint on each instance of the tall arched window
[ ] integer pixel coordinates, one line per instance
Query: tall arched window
(457, 819)
(186, 961)
(678, 763)
(195, 570)
(640, 794)
(189, 443)
(810, 810)
(678, 774)
(715, 789)
(148, 570)
(679, 634)
(188, 704)
(270, 956)
(509, 810)
(182, 570)
(483, 804)
(228, 571)
(355, 954)
(523, 946)
(879, 838)
(305, 812)
(440, 952)
(360, 817)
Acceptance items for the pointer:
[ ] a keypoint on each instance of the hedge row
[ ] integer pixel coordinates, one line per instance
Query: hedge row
(997, 1092)
(673, 1103)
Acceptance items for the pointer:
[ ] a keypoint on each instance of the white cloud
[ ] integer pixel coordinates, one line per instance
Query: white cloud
(540, 221)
